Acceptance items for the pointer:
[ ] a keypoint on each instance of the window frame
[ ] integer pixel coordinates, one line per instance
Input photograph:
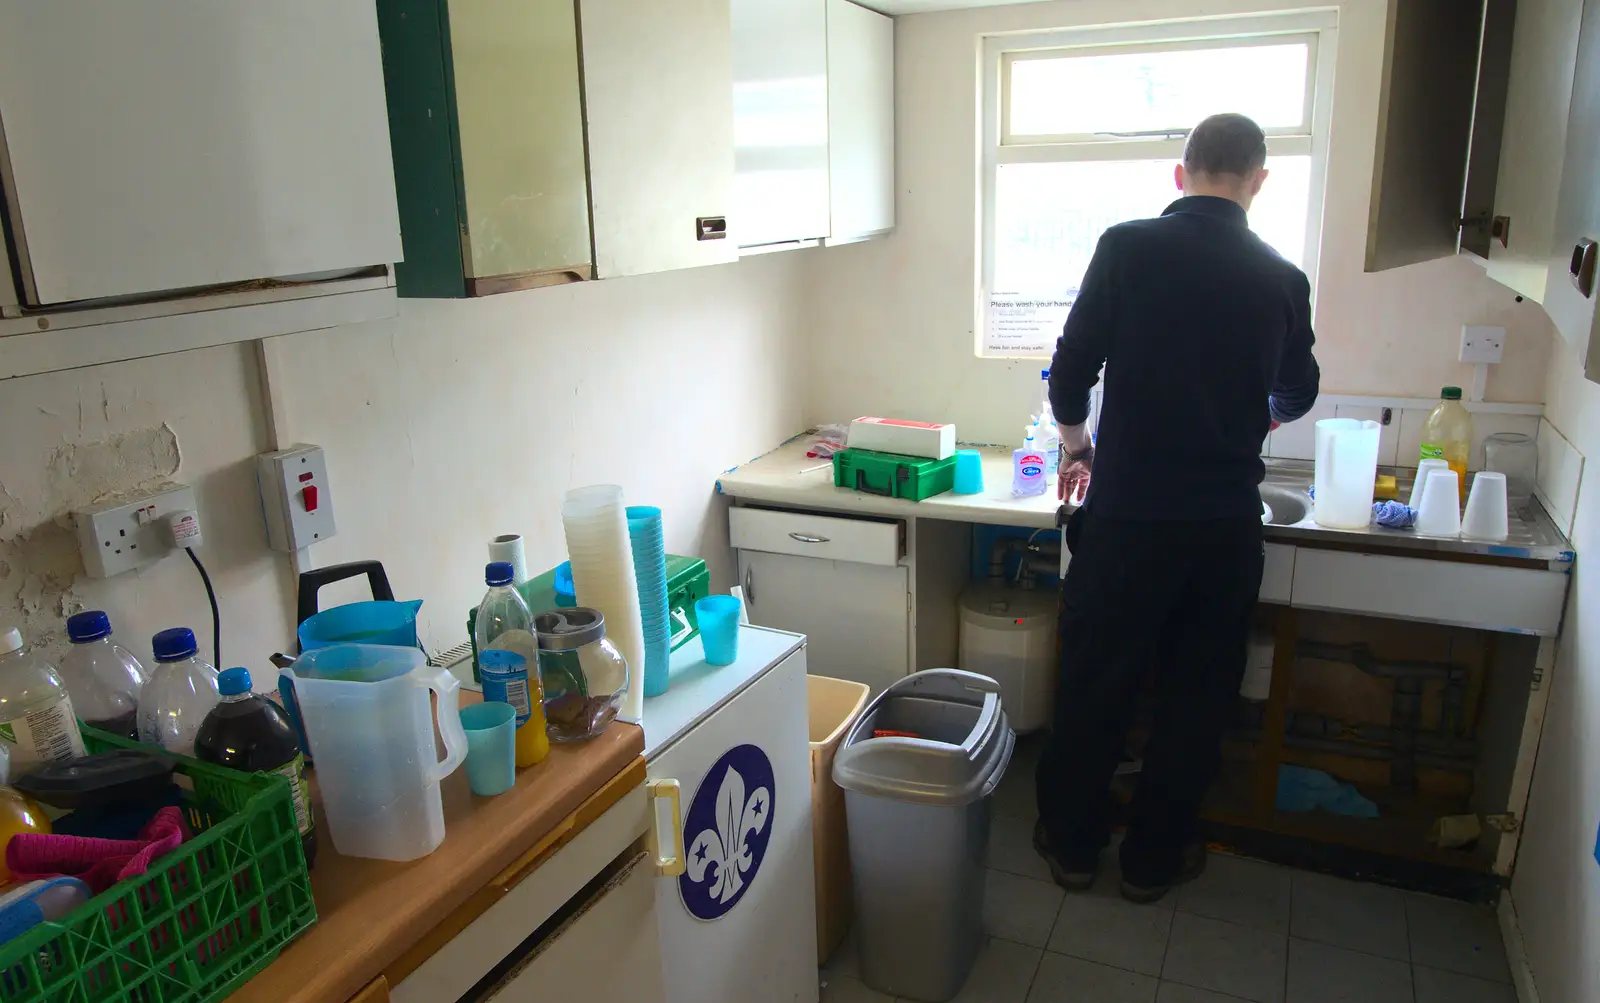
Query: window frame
(996, 146)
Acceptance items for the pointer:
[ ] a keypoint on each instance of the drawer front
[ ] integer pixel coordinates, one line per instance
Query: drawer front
(806, 534)
(1277, 574)
(455, 967)
(1520, 600)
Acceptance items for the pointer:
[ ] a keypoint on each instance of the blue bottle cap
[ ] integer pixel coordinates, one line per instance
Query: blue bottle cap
(173, 643)
(497, 573)
(90, 625)
(232, 682)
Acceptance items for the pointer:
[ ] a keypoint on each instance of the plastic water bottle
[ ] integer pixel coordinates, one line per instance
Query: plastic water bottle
(180, 693)
(36, 719)
(504, 622)
(1048, 438)
(246, 732)
(103, 677)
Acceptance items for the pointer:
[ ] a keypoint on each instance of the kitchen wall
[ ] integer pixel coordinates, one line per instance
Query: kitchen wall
(893, 333)
(1557, 883)
(451, 423)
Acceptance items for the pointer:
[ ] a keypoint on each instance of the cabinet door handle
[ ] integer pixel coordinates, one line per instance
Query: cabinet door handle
(678, 862)
(710, 227)
(749, 585)
(1583, 266)
(803, 538)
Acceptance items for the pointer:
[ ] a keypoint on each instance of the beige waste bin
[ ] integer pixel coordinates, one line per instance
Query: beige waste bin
(834, 706)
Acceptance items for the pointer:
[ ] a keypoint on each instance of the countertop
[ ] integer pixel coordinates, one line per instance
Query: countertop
(370, 911)
(787, 477)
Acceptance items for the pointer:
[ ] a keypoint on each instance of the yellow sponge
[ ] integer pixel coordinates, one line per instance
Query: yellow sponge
(1385, 488)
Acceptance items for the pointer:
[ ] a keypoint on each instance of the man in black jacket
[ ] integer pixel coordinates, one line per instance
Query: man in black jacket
(1205, 336)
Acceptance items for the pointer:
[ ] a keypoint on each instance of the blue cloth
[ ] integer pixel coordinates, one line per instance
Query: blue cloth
(1302, 789)
(1394, 514)
(1204, 334)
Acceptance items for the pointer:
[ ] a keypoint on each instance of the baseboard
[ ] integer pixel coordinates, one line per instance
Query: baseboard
(1516, 953)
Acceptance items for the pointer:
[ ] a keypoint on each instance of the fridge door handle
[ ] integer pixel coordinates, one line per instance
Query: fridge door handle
(678, 862)
(749, 584)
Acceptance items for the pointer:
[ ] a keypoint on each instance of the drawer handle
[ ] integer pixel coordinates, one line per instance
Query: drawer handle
(678, 862)
(803, 538)
(710, 227)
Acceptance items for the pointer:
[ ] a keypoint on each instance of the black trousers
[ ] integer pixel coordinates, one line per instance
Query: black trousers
(1170, 599)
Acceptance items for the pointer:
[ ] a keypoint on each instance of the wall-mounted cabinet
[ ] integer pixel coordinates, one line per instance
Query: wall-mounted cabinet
(860, 122)
(1573, 283)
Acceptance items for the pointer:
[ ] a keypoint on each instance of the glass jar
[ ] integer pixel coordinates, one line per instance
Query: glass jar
(1517, 456)
(583, 674)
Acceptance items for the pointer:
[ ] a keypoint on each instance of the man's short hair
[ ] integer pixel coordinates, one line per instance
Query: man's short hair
(1226, 144)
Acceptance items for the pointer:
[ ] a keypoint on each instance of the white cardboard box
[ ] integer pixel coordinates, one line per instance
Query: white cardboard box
(908, 438)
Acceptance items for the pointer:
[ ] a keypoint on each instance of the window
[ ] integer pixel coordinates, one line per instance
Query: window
(1082, 128)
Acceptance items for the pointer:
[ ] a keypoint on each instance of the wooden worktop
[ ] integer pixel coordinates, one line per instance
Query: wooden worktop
(370, 912)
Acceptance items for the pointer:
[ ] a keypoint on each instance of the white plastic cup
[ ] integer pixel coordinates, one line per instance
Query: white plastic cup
(1439, 509)
(1422, 478)
(1486, 517)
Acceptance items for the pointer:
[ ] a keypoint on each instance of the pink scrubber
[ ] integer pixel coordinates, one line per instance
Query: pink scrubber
(99, 863)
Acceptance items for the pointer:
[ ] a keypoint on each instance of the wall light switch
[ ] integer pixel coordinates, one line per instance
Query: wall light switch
(1481, 343)
(295, 497)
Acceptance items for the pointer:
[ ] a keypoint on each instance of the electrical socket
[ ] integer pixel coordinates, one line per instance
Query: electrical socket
(128, 532)
(1481, 343)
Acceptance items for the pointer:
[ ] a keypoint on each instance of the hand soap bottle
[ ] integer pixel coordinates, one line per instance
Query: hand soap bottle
(1027, 467)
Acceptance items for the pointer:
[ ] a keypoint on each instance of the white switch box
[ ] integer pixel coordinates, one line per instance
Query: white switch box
(295, 497)
(129, 532)
(1481, 343)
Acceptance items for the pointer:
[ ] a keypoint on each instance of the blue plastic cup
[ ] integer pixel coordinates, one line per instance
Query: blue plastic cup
(491, 729)
(718, 617)
(969, 472)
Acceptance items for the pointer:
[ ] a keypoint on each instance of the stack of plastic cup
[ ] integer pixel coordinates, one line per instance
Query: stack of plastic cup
(650, 570)
(1439, 508)
(1423, 470)
(601, 552)
(1487, 517)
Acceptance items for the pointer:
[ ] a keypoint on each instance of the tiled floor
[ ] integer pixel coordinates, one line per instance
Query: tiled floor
(1245, 931)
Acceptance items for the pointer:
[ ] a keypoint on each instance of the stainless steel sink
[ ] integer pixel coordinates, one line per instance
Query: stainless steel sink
(1288, 505)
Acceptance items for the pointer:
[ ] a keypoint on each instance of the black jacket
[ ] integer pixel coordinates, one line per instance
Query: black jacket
(1205, 335)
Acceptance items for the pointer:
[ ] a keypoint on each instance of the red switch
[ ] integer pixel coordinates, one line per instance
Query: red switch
(308, 496)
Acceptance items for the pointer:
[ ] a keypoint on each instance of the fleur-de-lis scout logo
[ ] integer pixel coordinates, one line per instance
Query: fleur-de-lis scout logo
(727, 830)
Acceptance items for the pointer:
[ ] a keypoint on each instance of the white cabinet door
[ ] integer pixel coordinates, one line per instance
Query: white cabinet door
(855, 616)
(739, 925)
(1543, 56)
(659, 118)
(159, 146)
(860, 121)
(780, 121)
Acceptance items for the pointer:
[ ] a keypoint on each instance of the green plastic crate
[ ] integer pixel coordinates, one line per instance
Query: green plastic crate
(893, 475)
(192, 929)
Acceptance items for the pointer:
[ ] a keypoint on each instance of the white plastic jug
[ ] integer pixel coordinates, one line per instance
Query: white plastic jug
(1347, 466)
(370, 724)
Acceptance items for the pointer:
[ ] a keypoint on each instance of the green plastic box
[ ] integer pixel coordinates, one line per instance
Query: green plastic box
(892, 475)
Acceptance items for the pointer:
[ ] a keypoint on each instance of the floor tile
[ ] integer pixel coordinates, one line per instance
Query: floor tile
(1112, 932)
(845, 960)
(1362, 917)
(1002, 973)
(843, 989)
(1321, 973)
(1019, 909)
(1456, 937)
(1240, 891)
(1242, 961)
(1014, 796)
(1177, 992)
(1070, 980)
(1434, 986)
(1011, 848)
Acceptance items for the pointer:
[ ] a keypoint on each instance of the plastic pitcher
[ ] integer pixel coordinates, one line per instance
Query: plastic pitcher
(1346, 468)
(371, 622)
(370, 724)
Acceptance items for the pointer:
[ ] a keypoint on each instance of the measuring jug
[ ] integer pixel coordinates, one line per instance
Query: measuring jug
(370, 724)
(1346, 469)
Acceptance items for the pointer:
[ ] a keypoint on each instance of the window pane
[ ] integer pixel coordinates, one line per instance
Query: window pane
(1150, 91)
(1048, 217)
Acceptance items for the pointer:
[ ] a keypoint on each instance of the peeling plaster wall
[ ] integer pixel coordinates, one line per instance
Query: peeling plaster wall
(69, 440)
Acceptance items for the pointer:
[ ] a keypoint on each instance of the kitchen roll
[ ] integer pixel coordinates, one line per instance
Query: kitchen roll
(596, 526)
(508, 547)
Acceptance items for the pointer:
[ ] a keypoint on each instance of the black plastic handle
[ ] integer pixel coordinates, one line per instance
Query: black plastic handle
(861, 485)
(312, 581)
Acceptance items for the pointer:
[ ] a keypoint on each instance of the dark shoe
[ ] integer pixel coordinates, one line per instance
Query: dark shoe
(1192, 866)
(1073, 879)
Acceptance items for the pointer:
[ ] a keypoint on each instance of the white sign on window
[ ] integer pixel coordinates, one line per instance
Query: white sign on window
(1027, 326)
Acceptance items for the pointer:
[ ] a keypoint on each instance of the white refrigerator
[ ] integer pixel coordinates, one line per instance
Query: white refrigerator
(739, 924)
